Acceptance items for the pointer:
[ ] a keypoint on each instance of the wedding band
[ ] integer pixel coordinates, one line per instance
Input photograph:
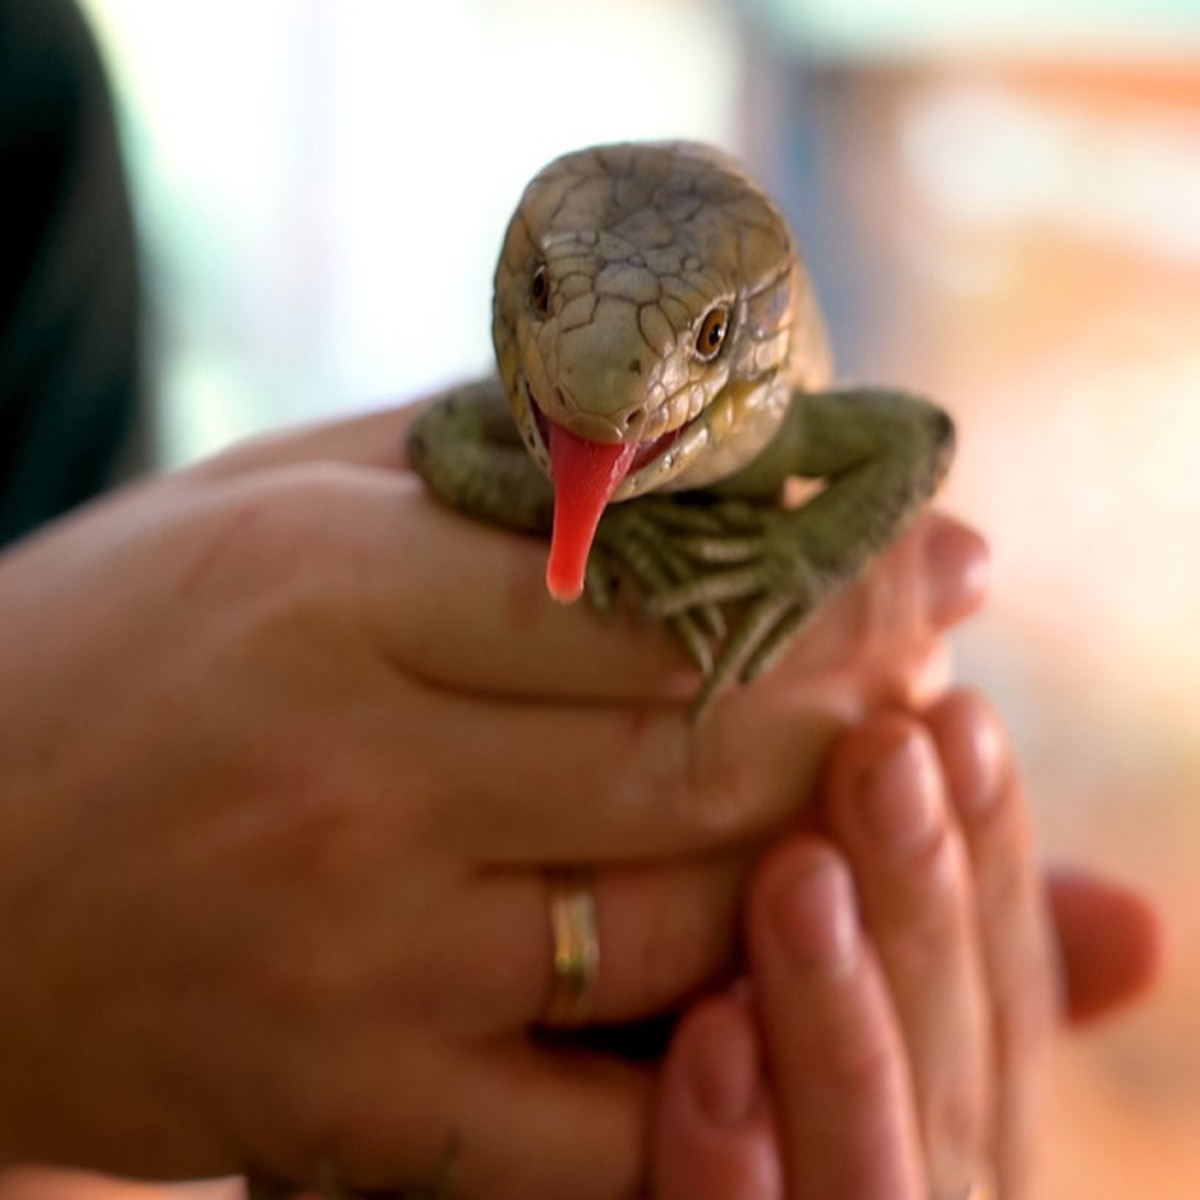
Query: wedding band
(575, 948)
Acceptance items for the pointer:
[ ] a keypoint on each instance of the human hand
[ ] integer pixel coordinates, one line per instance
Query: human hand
(908, 971)
(288, 752)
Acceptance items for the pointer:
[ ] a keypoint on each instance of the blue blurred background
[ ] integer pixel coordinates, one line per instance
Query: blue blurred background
(1001, 205)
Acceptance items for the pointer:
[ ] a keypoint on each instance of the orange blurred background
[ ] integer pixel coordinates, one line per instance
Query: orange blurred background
(1022, 240)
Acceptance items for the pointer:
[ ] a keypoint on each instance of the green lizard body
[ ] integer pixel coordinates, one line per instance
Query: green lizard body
(663, 361)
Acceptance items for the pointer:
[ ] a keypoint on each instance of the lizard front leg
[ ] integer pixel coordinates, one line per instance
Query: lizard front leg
(466, 448)
(469, 453)
(880, 454)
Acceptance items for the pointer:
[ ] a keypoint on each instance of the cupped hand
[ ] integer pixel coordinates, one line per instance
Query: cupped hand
(908, 969)
(289, 750)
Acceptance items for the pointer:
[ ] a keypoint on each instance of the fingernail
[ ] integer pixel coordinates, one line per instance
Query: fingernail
(982, 775)
(723, 1070)
(957, 567)
(900, 795)
(816, 918)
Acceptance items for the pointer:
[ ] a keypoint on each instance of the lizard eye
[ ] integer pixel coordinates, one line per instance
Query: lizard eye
(711, 335)
(539, 290)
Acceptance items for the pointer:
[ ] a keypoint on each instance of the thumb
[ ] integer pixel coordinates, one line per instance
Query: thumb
(1111, 942)
(372, 439)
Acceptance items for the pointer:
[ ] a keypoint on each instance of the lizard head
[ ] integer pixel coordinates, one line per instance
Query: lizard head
(646, 303)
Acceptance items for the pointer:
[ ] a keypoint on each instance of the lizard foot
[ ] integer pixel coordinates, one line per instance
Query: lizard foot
(643, 539)
(755, 568)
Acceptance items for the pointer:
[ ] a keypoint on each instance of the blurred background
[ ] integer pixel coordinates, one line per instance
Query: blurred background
(1001, 207)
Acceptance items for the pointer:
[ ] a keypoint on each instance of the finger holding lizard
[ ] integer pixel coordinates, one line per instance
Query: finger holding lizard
(476, 615)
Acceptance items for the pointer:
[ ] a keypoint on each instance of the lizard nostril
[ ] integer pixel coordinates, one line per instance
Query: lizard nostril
(635, 416)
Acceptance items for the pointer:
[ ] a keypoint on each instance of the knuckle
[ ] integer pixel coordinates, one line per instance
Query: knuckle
(715, 790)
(271, 537)
(696, 785)
(665, 958)
(932, 911)
(686, 938)
(745, 772)
(959, 1118)
(865, 1067)
(1026, 1020)
(1005, 866)
(941, 868)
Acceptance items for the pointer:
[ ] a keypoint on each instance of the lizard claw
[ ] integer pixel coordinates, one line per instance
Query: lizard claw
(636, 540)
(728, 557)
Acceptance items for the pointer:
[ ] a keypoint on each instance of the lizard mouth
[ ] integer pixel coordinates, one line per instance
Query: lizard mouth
(650, 464)
(586, 476)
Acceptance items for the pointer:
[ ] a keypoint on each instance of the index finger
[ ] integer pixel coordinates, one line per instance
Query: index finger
(368, 439)
(464, 605)
(456, 602)
(528, 784)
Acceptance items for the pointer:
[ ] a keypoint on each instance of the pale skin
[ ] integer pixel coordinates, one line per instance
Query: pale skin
(288, 759)
(904, 988)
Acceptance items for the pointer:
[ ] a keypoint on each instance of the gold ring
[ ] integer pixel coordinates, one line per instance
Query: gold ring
(575, 948)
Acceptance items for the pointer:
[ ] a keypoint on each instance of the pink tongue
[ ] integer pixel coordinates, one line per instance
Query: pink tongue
(585, 475)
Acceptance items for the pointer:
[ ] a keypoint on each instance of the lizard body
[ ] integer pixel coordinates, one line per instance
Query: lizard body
(663, 369)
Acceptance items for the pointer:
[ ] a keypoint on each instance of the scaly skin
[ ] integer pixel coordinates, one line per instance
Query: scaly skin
(617, 264)
(639, 244)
